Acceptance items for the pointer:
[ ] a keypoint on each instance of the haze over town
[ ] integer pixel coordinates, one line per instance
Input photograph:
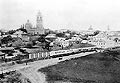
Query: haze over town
(61, 14)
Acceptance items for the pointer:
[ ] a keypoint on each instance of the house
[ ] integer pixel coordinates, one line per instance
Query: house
(37, 53)
(25, 37)
(64, 43)
(21, 34)
(51, 37)
(67, 34)
(61, 30)
(104, 43)
(76, 39)
(2, 55)
(58, 39)
(18, 42)
(18, 33)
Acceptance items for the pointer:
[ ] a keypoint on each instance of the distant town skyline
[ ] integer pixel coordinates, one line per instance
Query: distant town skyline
(62, 14)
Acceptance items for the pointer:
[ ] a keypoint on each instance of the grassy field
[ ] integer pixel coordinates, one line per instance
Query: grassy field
(95, 68)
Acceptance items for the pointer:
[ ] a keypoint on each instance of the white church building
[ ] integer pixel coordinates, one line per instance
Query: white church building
(39, 29)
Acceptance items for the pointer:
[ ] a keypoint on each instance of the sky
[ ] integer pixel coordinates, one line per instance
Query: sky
(61, 14)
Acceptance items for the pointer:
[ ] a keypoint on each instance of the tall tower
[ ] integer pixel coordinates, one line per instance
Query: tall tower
(39, 19)
(39, 23)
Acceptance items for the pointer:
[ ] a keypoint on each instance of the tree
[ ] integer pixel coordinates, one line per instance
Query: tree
(41, 39)
(11, 31)
(22, 29)
(96, 32)
(47, 45)
(18, 43)
(7, 39)
(68, 31)
(60, 35)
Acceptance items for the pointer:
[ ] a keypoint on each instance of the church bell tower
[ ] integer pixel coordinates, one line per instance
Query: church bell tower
(39, 19)
(39, 23)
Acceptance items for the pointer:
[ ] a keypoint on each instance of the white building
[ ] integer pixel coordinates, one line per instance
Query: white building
(18, 33)
(51, 36)
(59, 39)
(104, 43)
(62, 42)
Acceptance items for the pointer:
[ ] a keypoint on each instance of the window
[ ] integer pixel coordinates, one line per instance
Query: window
(37, 32)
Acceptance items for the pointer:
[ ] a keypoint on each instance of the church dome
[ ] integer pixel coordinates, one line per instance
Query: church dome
(28, 24)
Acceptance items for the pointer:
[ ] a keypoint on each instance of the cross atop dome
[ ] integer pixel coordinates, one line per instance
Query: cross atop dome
(39, 13)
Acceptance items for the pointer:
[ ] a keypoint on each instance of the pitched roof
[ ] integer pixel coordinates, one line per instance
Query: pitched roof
(35, 50)
(1, 53)
(7, 48)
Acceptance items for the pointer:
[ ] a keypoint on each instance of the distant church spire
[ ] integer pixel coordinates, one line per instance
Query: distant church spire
(39, 23)
(108, 28)
(90, 28)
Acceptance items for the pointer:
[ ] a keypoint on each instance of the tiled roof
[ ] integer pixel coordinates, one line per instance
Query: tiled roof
(7, 48)
(35, 50)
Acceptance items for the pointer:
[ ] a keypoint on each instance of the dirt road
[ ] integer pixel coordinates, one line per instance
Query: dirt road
(31, 72)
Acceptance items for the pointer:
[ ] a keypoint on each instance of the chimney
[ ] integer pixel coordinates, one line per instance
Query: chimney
(23, 26)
